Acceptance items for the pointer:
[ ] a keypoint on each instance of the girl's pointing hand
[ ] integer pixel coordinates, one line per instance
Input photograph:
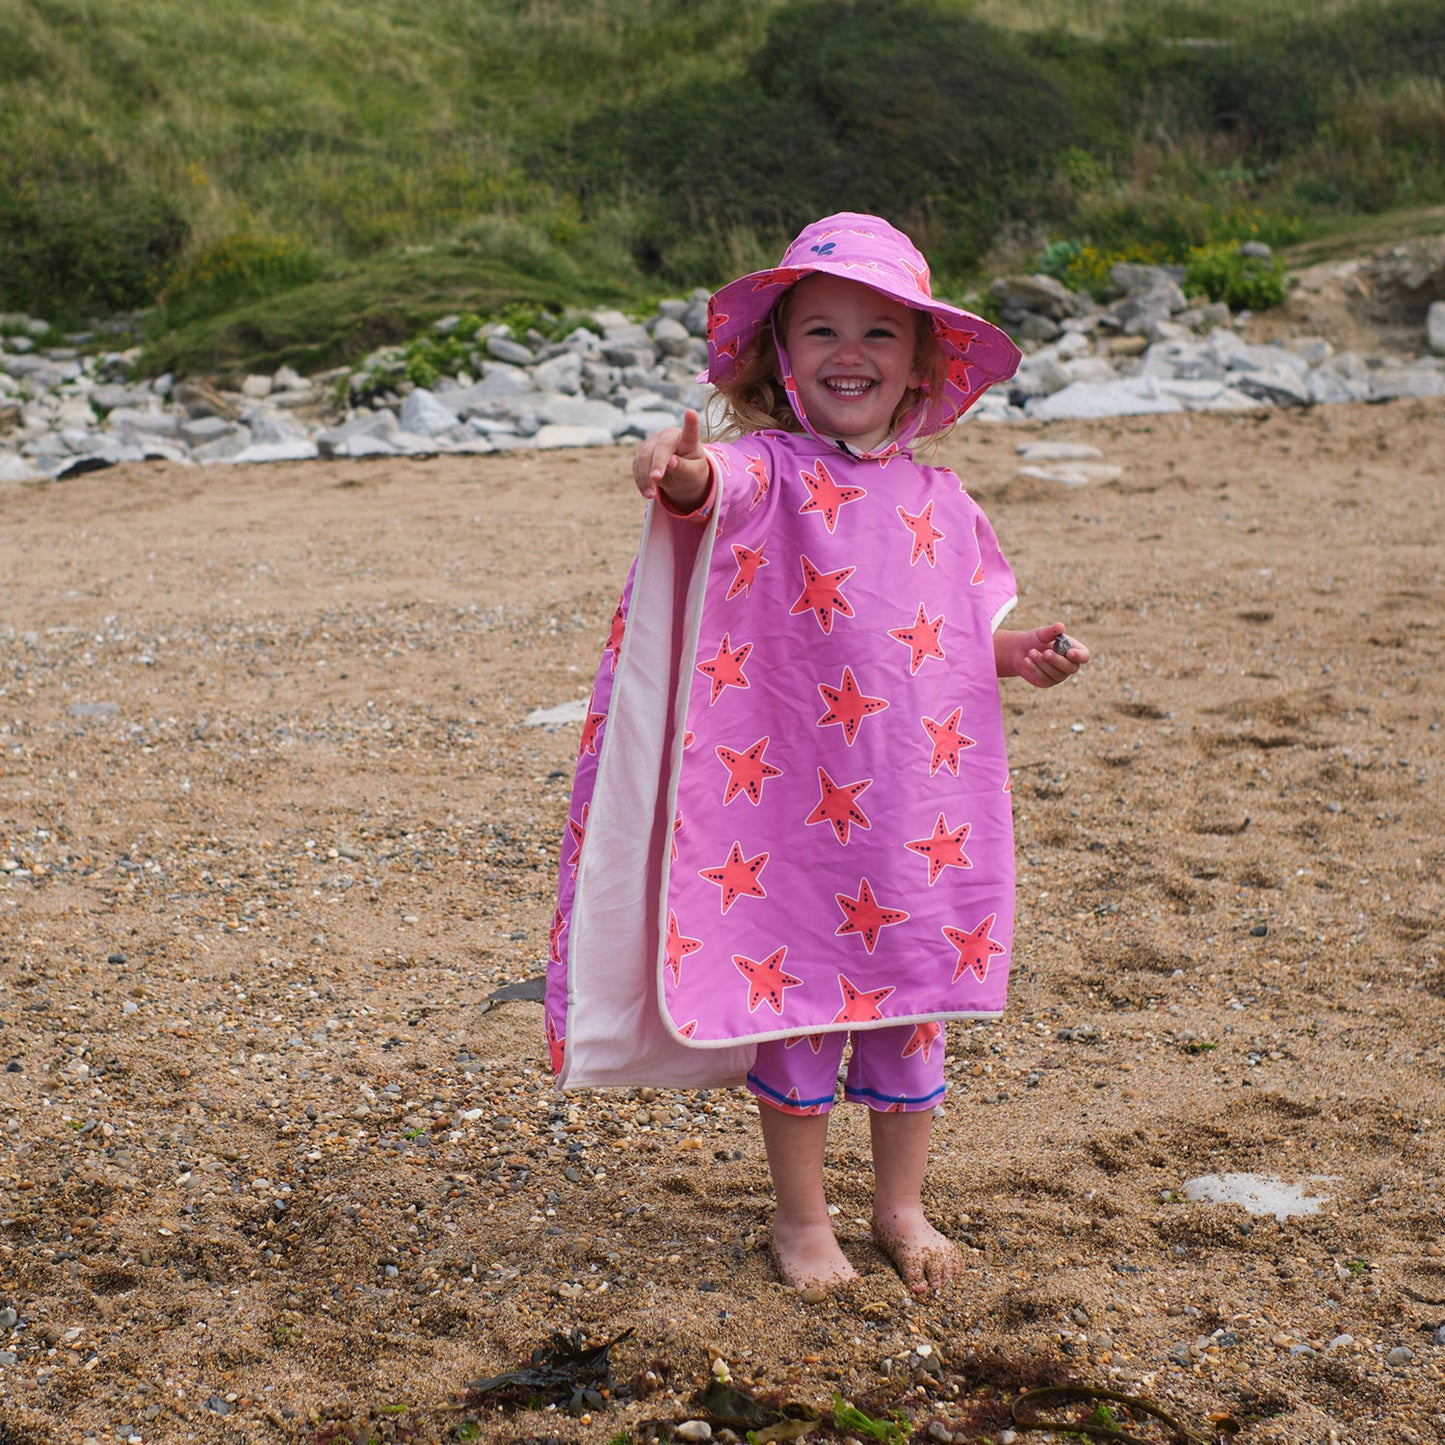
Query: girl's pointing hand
(672, 462)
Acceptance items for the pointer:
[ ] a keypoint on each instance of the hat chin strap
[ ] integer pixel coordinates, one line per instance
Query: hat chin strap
(897, 441)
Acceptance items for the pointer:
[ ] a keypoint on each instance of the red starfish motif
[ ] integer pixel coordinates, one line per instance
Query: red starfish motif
(737, 877)
(614, 636)
(747, 772)
(865, 916)
(944, 849)
(794, 1104)
(676, 829)
(726, 669)
(555, 935)
(860, 1006)
(925, 534)
(839, 806)
(921, 638)
(925, 1035)
(749, 563)
(590, 729)
(678, 947)
(920, 276)
(825, 496)
(766, 980)
(813, 1041)
(556, 1046)
(975, 948)
(956, 336)
(848, 705)
(947, 741)
(578, 829)
(820, 594)
(758, 471)
(688, 1029)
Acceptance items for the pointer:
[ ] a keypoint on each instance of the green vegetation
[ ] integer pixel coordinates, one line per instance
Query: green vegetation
(301, 185)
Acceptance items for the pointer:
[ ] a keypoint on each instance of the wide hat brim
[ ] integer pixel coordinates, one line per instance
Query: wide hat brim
(868, 250)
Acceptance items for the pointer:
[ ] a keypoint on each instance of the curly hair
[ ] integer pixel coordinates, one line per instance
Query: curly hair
(753, 399)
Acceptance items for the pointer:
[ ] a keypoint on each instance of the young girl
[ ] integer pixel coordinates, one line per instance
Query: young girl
(790, 828)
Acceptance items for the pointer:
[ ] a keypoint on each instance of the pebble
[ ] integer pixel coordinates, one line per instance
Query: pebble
(1438, 1338)
(1400, 1355)
(693, 1430)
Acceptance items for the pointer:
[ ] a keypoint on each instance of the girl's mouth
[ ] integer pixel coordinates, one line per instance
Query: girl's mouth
(849, 386)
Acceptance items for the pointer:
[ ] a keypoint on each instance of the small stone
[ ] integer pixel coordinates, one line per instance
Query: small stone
(815, 1294)
(8, 1318)
(693, 1430)
(1400, 1355)
(1438, 1338)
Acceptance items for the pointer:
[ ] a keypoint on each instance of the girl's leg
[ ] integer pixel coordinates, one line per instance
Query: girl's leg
(804, 1247)
(925, 1258)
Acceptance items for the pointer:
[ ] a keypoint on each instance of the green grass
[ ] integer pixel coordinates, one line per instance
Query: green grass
(298, 184)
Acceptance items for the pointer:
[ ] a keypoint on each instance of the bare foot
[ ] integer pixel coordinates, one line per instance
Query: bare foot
(926, 1259)
(808, 1257)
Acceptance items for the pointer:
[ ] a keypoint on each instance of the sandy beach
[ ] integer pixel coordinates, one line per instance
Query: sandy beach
(273, 828)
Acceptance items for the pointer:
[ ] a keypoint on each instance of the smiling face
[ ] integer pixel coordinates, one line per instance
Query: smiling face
(854, 355)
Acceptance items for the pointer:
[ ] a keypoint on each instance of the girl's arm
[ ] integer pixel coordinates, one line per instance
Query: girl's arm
(1035, 657)
(672, 464)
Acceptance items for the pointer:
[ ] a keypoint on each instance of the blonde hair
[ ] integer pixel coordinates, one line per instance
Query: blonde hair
(754, 399)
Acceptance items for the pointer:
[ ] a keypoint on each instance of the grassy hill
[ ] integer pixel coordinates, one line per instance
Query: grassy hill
(297, 183)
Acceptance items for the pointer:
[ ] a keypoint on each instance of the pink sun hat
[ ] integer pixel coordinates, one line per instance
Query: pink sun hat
(866, 249)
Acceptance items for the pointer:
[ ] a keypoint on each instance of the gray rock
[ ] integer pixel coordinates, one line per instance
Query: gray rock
(500, 383)
(1400, 1355)
(297, 449)
(630, 354)
(1281, 386)
(1081, 400)
(1255, 251)
(424, 415)
(695, 318)
(561, 373)
(579, 412)
(1342, 378)
(1405, 382)
(199, 430)
(270, 427)
(671, 337)
(1310, 349)
(1034, 326)
(1040, 294)
(363, 424)
(510, 351)
(1435, 327)
(552, 438)
(1040, 375)
(1133, 278)
(15, 468)
(223, 449)
(110, 395)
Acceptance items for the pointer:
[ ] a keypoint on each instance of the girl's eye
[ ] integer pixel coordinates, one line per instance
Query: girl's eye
(885, 332)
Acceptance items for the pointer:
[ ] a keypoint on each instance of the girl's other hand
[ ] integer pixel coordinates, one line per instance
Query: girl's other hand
(1044, 657)
(672, 462)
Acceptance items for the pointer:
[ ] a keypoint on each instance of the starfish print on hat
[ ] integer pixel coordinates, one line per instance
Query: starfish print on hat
(848, 705)
(925, 534)
(813, 1041)
(975, 948)
(826, 497)
(860, 1006)
(839, 806)
(726, 669)
(677, 947)
(922, 639)
(750, 561)
(747, 772)
(947, 741)
(766, 979)
(821, 596)
(944, 849)
(865, 916)
(737, 877)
